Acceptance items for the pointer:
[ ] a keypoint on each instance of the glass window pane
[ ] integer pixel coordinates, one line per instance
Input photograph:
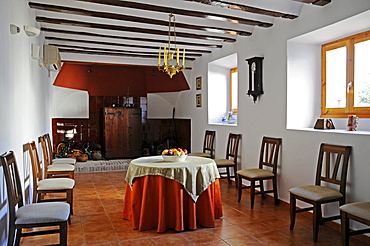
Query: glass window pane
(336, 78)
(362, 74)
(234, 90)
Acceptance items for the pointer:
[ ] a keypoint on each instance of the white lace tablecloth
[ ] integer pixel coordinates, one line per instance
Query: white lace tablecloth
(195, 173)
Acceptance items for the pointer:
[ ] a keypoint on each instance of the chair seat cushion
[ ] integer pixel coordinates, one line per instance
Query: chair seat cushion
(61, 167)
(359, 209)
(64, 161)
(224, 162)
(45, 212)
(255, 173)
(201, 154)
(55, 184)
(316, 192)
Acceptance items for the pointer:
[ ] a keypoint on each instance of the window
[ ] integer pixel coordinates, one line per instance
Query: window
(234, 90)
(346, 77)
(222, 83)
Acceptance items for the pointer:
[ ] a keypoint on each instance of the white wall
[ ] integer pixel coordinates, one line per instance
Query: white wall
(268, 115)
(25, 101)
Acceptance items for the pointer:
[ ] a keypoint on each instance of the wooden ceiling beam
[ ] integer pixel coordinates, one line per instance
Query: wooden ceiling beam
(188, 50)
(245, 8)
(113, 51)
(105, 53)
(90, 34)
(315, 2)
(84, 12)
(130, 29)
(193, 13)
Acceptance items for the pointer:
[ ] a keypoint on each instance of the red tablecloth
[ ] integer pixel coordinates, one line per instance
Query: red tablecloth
(158, 202)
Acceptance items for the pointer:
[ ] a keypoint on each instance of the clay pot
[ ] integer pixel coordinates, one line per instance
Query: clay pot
(82, 157)
(71, 156)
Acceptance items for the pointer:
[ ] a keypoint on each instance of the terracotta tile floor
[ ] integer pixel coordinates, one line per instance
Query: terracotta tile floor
(97, 221)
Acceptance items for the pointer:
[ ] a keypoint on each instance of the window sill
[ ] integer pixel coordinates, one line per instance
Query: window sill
(223, 124)
(340, 131)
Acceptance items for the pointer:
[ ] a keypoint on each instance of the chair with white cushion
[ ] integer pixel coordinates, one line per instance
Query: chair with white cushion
(52, 217)
(54, 170)
(357, 211)
(332, 169)
(41, 187)
(267, 170)
(208, 145)
(51, 153)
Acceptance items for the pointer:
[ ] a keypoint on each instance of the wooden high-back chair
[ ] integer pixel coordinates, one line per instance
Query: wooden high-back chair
(51, 216)
(41, 186)
(208, 145)
(332, 168)
(231, 159)
(54, 170)
(267, 170)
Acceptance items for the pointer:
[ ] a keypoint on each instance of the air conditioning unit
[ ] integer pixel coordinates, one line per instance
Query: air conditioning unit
(52, 60)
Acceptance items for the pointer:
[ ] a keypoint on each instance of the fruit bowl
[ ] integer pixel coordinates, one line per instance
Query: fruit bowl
(174, 158)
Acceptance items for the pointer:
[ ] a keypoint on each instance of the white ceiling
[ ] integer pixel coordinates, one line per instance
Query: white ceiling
(132, 32)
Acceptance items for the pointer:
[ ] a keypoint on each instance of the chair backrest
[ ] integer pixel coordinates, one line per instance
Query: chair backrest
(45, 153)
(233, 146)
(36, 167)
(269, 153)
(332, 165)
(13, 183)
(49, 145)
(208, 145)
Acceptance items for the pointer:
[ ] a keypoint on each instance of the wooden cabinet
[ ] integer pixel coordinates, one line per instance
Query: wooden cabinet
(122, 132)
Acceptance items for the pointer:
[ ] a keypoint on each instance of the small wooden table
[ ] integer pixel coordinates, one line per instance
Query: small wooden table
(175, 195)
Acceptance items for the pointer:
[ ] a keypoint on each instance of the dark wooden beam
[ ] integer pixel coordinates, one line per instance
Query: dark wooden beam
(245, 8)
(84, 12)
(193, 13)
(91, 34)
(96, 52)
(117, 44)
(129, 29)
(315, 2)
(76, 49)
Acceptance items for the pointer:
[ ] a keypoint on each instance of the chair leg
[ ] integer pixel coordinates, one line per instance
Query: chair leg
(274, 186)
(344, 228)
(240, 179)
(316, 221)
(18, 237)
(262, 189)
(253, 187)
(11, 235)
(292, 211)
(228, 175)
(63, 234)
(70, 199)
(236, 181)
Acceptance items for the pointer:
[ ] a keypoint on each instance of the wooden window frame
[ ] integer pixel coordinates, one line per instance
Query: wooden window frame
(235, 110)
(350, 109)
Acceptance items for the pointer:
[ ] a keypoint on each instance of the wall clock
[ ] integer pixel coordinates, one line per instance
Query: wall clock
(255, 77)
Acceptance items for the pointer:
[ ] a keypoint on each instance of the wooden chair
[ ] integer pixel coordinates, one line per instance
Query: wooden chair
(231, 159)
(51, 152)
(41, 187)
(54, 170)
(37, 215)
(331, 168)
(268, 160)
(358, 211)
(208, 145)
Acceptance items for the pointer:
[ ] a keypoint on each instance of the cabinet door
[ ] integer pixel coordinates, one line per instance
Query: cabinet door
(114, 132)
(134, 131)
